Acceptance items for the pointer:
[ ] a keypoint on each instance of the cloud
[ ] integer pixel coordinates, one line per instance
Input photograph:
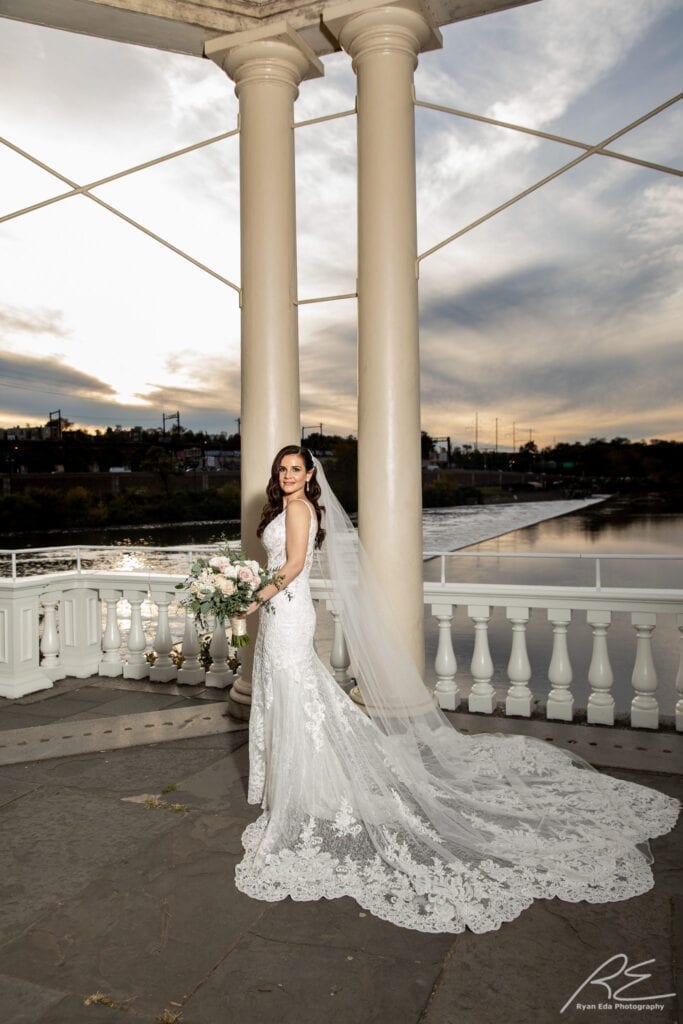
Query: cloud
(40, 321)
(563, 310)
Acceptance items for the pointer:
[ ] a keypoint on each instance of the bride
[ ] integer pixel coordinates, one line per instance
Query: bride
(421, 825)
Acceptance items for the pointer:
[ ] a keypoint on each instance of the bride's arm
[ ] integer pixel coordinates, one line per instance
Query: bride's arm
(297, 524)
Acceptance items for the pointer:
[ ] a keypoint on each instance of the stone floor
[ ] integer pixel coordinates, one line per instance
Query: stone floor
(106, 896)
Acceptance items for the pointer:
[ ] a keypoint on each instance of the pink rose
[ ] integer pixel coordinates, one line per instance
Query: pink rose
(246, 575)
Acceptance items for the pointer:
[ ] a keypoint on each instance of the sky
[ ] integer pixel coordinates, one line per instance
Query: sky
(559, 319)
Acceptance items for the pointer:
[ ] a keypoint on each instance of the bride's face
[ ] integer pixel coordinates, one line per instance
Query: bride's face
(292, 476)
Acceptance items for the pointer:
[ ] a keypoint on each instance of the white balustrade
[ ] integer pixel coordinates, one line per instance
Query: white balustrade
(220, 674)
(136, 665)
(446, 665)
(74, 641)
(560, 700)
(111, 662)
(519, 696)
(163, 670)
(600, 710)
(644, 706)
(49, 642)
(482, 696)
(191, 672)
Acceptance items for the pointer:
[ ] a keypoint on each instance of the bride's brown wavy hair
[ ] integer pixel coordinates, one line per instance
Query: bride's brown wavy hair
(273, 505)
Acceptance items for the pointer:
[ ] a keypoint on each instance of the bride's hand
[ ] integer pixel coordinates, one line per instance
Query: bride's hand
(252, 608)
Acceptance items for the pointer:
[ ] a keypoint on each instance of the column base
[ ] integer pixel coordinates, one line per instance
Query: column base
(136, 671)
(518, 706)
(163, 675)
(560, 710)
(38, 680)
(448, 700)
(110, 669)
(219, 680)
(600, 712)
(483, 703)
(239, 700)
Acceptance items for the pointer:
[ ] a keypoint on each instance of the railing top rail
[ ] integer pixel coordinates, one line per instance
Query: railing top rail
(460, 553)
(112, 547)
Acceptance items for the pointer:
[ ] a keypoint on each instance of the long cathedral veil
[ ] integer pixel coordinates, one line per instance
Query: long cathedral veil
(502, 802)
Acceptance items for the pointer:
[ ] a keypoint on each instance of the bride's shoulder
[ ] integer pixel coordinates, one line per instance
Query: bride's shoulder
(296, 506)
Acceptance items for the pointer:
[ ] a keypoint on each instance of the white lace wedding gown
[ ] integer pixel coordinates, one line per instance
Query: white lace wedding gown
(342, 816)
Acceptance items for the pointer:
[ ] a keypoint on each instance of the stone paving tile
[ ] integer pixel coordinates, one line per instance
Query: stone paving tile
(55, 842)
(150, 928)
(19, 717)
(72, 1010)
(129, 770)
(130, 704)
(530, 968)
(285, 982)
(222, 786)
(56, 710)
(343, 924)
(11, 790)
(22, 1002)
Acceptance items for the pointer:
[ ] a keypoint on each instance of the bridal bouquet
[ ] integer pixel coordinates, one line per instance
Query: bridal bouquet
(224, 586)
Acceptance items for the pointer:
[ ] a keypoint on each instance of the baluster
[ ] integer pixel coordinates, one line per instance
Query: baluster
(220, 674)
(447, 694)
(679, 677)
(560, 700)
(339, 655)
(191, 671)
(136, 665)
(111, 663)
(163, 669)
(644, 707)
(600, 710)
(518, 700)
(482, 695)
(49, 644)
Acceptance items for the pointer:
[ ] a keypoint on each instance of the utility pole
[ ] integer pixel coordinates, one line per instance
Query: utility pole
(55, 425)
(496, 435)
(476, 431)
(170, 416)
(514, 445)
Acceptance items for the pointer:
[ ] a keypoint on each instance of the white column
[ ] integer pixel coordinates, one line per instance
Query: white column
(220, 673)
(679, 677)
(339, 655)
(267, 66)
(163, 670)
(560, 700)
(111, 663)
(136, 665)
(482, 695)
(445, 663)
(384, 43)
(600, 710)
(518, 700)
(644, 706)
(49, 643)
(191, 672)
